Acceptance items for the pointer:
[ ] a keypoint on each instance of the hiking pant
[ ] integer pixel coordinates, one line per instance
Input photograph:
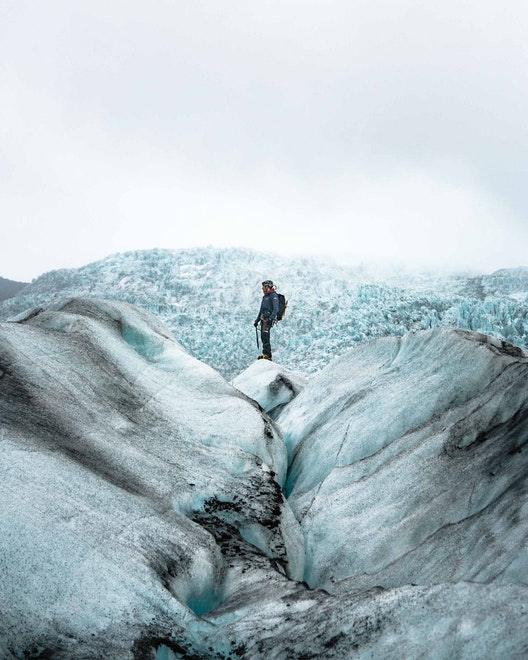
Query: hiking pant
(265, 332)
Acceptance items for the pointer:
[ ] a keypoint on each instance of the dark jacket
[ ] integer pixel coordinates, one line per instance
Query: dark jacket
(269, 307)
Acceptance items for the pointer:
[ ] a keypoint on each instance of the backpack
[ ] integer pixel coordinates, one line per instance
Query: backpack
(283, 303)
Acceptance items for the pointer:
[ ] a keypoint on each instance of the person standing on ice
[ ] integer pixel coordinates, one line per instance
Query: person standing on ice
(267, 316)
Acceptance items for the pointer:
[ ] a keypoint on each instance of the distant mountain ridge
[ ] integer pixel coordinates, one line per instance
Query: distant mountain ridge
(9, 288)
(209, 298)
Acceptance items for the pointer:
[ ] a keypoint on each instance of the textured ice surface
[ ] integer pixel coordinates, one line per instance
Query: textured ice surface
(270, 384)
(409, 462)
(141, 505)
(264, 615)
(113, 441)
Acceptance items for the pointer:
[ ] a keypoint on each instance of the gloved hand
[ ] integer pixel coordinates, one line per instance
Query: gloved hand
(274, 322)
(255, 323)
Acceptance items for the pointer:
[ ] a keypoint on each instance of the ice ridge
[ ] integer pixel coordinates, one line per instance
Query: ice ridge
(143, 508)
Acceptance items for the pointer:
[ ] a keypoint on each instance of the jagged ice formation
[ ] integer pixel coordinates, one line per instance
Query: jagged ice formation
(209, 299)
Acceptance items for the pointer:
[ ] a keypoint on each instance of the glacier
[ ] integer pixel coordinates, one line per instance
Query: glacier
(416, 445)
(151, 509)
(271, 385)
(209, 298)
(114, 441)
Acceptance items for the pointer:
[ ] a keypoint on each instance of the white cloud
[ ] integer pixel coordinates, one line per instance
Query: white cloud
(389, 129)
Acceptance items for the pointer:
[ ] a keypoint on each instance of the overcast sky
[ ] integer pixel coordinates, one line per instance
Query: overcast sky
(378, 129)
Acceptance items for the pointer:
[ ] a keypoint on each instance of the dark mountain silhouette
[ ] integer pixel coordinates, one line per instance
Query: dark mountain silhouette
(9, 288)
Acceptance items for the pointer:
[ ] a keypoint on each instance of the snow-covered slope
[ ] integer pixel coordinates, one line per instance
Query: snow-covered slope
(142, 508)
(209, 299)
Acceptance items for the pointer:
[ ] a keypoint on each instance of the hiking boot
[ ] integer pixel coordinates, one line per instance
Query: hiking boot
(264, 357)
